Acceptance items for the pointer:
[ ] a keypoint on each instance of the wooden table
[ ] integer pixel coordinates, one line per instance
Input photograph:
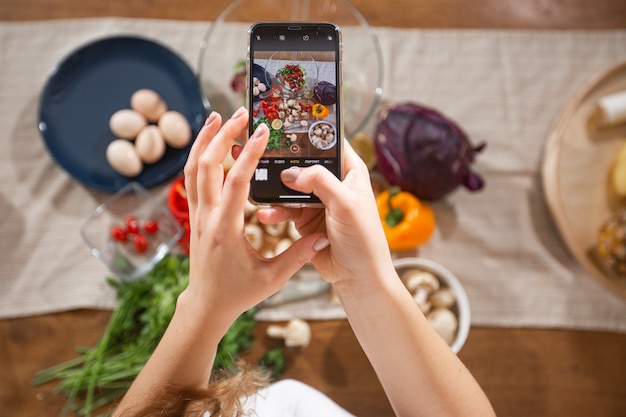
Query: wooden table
(525, 372)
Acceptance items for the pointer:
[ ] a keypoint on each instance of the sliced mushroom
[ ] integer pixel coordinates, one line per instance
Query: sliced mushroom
(254, 235)
(275, 229)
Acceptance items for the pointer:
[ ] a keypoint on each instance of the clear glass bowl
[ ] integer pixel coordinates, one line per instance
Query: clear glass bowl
(225, 46)
(121, 257)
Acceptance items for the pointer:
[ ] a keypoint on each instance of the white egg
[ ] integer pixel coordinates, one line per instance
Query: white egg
(123, 157)
(149, 144)
(149, 103)
(175, 129)
(127, 123)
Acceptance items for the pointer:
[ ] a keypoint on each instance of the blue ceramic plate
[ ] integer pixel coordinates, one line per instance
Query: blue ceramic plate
(264, 77)
(95, 81)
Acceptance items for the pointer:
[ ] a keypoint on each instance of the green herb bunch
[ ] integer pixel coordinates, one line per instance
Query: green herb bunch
(276, 139)
(103, 373)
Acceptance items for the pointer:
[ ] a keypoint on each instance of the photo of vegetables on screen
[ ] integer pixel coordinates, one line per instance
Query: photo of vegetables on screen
(295, 95)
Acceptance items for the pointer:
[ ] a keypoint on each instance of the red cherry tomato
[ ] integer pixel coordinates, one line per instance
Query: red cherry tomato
(132, 224)
(119, 234)
(140, 243)
(150, 227)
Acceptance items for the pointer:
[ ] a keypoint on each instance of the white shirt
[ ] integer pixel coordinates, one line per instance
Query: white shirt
(291, 398)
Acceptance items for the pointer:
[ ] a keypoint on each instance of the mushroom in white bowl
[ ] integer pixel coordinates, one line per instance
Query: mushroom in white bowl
(440, 296)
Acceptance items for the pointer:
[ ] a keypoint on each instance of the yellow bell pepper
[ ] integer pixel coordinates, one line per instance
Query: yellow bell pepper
(407, 222)
(319, 111)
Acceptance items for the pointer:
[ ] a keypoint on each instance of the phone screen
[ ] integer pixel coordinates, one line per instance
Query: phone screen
(294, 87)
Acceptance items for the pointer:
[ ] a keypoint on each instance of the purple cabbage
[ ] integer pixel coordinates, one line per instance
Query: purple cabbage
(423, 152)
(325, 93)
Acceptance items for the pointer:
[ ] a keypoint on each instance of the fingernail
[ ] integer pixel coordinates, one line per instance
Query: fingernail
(241, 111)
(260, 130)
(321, 244)
(211, 118)
(290, 174)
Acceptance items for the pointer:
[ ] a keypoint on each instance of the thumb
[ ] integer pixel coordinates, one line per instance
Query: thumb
(314, 179)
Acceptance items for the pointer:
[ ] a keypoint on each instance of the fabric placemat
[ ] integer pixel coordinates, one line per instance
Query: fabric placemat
(503, 87)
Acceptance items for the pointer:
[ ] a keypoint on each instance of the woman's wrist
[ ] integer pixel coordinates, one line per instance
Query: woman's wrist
(200, 312)
(377, 281)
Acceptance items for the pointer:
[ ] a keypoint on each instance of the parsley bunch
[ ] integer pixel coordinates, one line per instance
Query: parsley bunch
(103, 373)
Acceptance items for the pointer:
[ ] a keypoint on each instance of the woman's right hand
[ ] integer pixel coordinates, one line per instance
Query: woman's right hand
(358, 250)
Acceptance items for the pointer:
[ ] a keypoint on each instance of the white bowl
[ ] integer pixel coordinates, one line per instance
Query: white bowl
(318, 123)
(447, 279)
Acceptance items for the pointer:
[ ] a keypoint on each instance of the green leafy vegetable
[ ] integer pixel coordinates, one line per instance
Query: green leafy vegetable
(103, 373)
(274, 360)
(276, 135)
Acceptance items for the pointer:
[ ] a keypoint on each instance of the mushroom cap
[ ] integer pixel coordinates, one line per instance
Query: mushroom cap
(254, 235)
(297, 333)
(443, 298)
(418, 278)
(444, 322)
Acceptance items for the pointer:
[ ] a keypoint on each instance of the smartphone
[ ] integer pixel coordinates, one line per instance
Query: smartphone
(294, 86)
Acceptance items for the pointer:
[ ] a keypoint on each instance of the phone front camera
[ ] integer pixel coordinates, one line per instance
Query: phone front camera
(305, 38)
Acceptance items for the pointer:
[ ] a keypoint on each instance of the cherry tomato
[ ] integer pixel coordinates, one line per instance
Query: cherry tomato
(150, 227)
(132, 224)
(140, 243)
(119, 234)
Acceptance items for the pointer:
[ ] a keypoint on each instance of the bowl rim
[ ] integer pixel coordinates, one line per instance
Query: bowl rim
(317, 123)
(453, 282)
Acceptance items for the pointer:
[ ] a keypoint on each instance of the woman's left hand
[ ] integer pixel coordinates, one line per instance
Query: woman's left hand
(226, 273)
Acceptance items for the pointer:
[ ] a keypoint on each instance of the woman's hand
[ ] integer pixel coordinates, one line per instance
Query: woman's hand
(225, 271)
(358, 249)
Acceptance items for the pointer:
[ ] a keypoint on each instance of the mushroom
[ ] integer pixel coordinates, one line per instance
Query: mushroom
(292, 231)
(254, 235)
(422, 285)
(444, 322)
(443, 298)
(275, 229)
(297, 333)
(282, 246)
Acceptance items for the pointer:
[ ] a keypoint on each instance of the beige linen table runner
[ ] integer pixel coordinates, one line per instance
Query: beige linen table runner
(504, 87)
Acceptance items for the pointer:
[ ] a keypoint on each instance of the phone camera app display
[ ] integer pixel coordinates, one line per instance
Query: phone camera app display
(294, 93)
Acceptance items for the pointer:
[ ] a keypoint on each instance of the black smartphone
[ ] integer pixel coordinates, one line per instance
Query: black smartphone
(294, 86)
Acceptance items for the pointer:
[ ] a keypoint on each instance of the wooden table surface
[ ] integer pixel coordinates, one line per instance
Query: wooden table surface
(525, 372)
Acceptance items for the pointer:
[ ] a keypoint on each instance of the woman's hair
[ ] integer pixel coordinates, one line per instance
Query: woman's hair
(221, 398)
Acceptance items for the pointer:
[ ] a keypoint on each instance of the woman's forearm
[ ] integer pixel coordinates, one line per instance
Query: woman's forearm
(419, 372)
(185, 355)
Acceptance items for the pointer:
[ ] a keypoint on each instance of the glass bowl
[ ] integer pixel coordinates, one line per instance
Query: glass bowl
(128, 259)
(461, 306)
(224, 47)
